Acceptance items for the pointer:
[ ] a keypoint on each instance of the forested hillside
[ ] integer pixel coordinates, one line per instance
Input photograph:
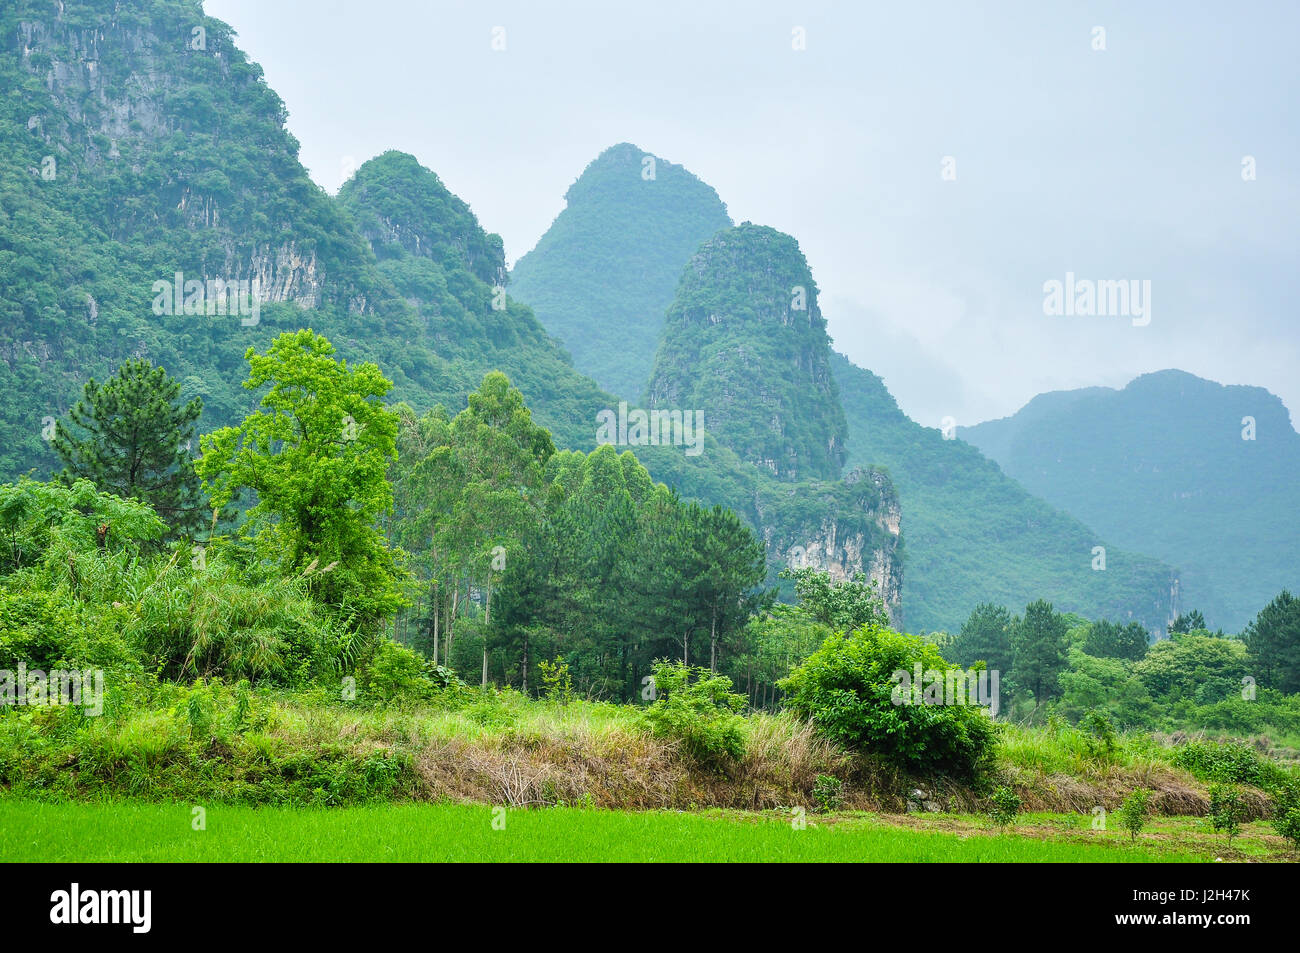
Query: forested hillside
(117, 183)
(1197, 474)
(975, 534)
(629, 212)
(745, 338)
(122, 185)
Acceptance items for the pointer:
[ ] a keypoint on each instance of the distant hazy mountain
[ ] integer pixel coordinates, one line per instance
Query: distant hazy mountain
(1163, 466)
(610, 262)
(972, 534)
(734, 345)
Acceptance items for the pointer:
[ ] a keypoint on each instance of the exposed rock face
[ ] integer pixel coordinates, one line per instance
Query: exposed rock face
(841, 528)
(126, 96)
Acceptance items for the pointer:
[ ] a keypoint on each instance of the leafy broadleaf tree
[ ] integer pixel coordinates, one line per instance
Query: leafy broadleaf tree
(315, 453)
(843, 606)
(132, 437)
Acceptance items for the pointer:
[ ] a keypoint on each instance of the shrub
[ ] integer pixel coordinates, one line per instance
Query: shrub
(1231, 762)
(1134, 812)
(828, 793)
(1101, 731)
(397, 672)
(1005, 806)
(1286, 812)
(557, 684)
(34, 630)
(1225, 809)
(846, 688)
(702, 714)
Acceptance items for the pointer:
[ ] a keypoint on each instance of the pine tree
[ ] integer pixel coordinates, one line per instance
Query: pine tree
(984, 636)
(133, 438)
(1039, 646)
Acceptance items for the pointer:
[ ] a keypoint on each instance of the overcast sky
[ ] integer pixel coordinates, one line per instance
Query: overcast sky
(1122, 163)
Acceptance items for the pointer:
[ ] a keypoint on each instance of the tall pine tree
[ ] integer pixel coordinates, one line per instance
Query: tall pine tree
(133, 438)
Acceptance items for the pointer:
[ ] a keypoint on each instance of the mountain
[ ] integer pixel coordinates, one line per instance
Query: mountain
(975, 535)
(744, 347)
(734, 345)
(745, 339)
(629, 213)
(1163, 465)
(146, 151)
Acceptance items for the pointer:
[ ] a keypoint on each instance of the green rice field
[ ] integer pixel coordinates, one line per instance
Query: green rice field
(129, 831)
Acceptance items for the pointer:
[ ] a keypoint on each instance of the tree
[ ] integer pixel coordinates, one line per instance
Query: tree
(1110, 640)
(843, 606)
(1191, 622)
(132, 438)
(729, 563)
(1199, 667)
(1273, 640)
(984, 636)
(1039, 646)
(852, 690)
(1134, 812)
(315, 453)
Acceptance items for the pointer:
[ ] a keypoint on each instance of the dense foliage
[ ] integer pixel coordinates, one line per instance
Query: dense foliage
(745, 340)
(847, 688)
(974, 535)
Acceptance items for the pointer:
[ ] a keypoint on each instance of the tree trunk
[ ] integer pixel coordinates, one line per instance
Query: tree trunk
(713, 641)
(433, 609)
(487, 621)
(451, 620)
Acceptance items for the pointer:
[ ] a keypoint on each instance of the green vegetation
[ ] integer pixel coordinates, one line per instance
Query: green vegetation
(975, 535)
(1197, 474)
(625, 217)
(1225, 810)
(422, 581)
(746, 306)
(1134, 812)
(426, 833)
(698, 709)
(1005, 806)
(130, 437)
(849, 690)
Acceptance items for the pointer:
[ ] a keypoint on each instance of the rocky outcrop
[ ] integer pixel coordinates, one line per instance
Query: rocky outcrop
(841, 527)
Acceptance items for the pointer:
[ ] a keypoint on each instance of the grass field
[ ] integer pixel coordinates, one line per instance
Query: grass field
(80, 832)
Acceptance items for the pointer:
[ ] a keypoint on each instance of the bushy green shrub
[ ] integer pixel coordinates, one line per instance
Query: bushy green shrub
(396, 672)
(1101, 733)
(1004, 806)
(846, 688)
(698, 709)
(1225, 809)
(1230, 762)
(35, 629)
(828, 793)
(1134, 811)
